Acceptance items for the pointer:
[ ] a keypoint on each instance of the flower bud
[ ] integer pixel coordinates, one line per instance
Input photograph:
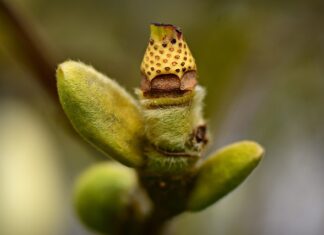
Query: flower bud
(102, 196)
(168, 64)
(102, 112)
(222, 172)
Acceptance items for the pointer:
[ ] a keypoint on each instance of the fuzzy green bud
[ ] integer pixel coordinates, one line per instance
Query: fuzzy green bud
(171, 102)
(103, 195)
(101, 111)
(222, 172)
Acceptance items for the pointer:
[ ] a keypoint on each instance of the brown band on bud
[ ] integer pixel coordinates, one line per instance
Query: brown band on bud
(167, 82)
(188, 81)
(168, 85)
(145, 84)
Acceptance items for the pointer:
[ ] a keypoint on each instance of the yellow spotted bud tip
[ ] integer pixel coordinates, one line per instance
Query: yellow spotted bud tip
(166, 53)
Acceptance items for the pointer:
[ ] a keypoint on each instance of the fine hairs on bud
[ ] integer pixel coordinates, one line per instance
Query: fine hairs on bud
(161, 137)
(171, 101)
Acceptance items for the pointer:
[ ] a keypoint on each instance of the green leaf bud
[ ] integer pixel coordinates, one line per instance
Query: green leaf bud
(101, 111)
(222, 172)
(103, 195)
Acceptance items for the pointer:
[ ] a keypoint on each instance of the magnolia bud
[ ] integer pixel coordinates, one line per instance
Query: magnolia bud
(168, 65)
(102, 112)
(223, 172)
(103, 196)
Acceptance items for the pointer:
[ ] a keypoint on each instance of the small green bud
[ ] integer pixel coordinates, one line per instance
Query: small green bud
(101, 111)
(223, 172)
(102, 196)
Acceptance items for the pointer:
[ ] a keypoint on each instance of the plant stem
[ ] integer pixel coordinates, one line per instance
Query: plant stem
(34, 54)
(154, 225)
(168, 194)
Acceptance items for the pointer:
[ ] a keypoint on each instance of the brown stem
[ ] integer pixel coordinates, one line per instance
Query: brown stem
(34, 54)
(168, 194)
(155, 224)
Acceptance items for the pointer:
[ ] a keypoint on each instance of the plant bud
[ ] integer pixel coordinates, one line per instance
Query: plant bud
(102, 112)
(168, 64)
(102, 196)
(223, 172)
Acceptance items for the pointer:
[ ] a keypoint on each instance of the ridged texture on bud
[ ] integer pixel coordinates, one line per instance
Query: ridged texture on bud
(223, 172)
(103, 195)
(101, 111)
(166, 53)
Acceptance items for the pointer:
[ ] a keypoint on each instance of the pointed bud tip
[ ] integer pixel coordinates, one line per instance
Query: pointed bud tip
(161, 32)
(168, 54)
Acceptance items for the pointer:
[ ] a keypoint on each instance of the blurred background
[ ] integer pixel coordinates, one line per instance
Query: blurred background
(262, 64)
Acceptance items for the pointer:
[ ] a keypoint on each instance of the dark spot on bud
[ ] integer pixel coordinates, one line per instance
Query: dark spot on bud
(173, 41)
(158, 64)
(167, 68)
(179, 51)
(158, 71)
(200, 134)
(161, 51)
(152, 68)
(180, 44)
(184, 69)
(151, 41)
(189, 67)
(177, 70)
(186, 52)
(174, 63)
(148, 73)
(155, 47)
(157, 57)
(177, 57)
(185, 46)
(171, 49)
(168, 55)
(183, 63)
(151, 61)
(164, 44)
(151, 53)
(185, 58)
(165, 61)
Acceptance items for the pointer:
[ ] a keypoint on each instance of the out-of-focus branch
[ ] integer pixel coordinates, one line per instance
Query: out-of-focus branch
(30, 50)
(33, 53)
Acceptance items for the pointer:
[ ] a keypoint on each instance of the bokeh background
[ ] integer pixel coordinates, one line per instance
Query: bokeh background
(262, 63)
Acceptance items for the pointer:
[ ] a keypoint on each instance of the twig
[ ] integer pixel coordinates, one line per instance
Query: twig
(35, 55)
